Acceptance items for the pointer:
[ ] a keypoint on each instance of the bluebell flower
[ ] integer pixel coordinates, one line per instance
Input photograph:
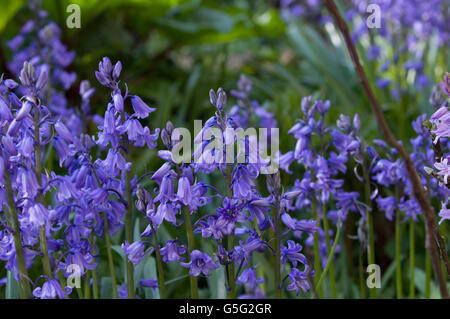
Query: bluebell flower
(172, 251)
(51, 289)
(249, 278)
(149, 283)
(291, 253)
(184, 193)
(135, 251)
(300, 225)
(388, 205)
(298, 280)
(200, 263)
(141, 110)
(165, 211)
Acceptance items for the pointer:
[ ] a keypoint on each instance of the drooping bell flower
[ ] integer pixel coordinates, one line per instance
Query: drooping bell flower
(172, 251)
(51, 289)
(141, 110)
(184, 193)
(200, 263)
(298, 280)
(291, 253)
(134, 251)
(249, 278)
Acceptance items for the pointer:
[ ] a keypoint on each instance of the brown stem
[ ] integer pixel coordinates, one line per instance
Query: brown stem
(419, 193)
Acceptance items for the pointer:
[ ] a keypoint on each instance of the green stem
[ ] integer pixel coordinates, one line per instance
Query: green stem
(108, 244)
(330, 256)
(362, 285)
(94, 271)
(13, 222)
(191, 247)
(317, 260)
(110, 256)
(398, 273)
(371, 239)
(327, 238)
(87, 285)
(427, 276)
(232, 293)
(128, 216)
(259, 270)
(80, 293)
(129, 236)
(411, 259)
(159, 263)
(42, 233)
(277, 268)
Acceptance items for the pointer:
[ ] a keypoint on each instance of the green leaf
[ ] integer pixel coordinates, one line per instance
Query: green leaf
(419, 281)
(149, 272)
(106, 289)
(12, 287)
(8, 11)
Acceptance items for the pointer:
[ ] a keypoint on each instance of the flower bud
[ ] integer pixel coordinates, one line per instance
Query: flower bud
(343, 123)
(274, 183)
(169, 127)
(221, 99)
(63, 132)
(166, 139)
(356, 122)
(212, 97)
(437, 98)
(118, 102)
(117, 70)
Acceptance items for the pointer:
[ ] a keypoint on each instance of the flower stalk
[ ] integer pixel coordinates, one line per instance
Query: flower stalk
(191, 247)
(159, 264)
(13, 223)
(412, 259)
(326, 228)
(317, 261)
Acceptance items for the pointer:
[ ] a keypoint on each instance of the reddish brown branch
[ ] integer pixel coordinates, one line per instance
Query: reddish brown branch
(432, 231)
